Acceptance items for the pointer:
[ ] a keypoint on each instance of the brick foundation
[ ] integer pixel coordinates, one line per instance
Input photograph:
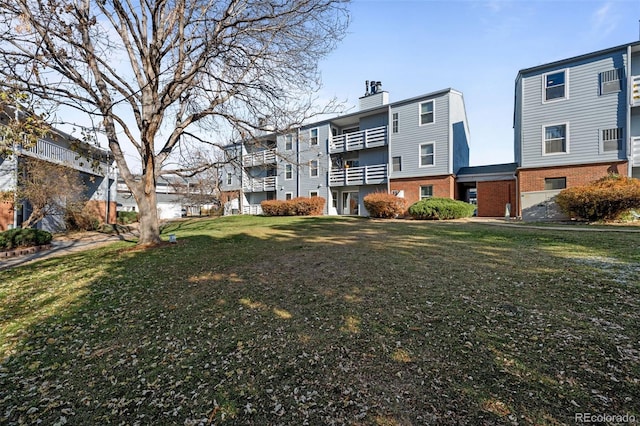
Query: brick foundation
(443, 186)
(97, 208)
(493, 196)
(533, 179)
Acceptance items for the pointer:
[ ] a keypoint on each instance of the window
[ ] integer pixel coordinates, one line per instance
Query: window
(555, 139)
(612, 139)
(426, 191)
(555, 86)
(313, 193)
(426, 113)
(288, 195)
(313, 136)
(313, 168)
(396, 164)
(334, 199)
(229, 179)
(288, 171)
(555, 183)
(427, 154)
(610, 81)
(288, 142)
(395, 122)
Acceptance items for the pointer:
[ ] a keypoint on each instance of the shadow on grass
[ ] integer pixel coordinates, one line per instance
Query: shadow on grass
(325, 320)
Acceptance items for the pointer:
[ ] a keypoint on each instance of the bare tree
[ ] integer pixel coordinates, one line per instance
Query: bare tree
(154, 72)
(49, 189)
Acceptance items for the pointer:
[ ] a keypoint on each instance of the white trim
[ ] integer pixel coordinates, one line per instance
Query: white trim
(314, 191)
(602, 140)
(433, 112)
(566, 139)
(285, 172)
(420, 165)
(288, 193)
(317, 129)
(317, 168)
(426, 186)
(285, 141)
(395, 122)
(566, 86)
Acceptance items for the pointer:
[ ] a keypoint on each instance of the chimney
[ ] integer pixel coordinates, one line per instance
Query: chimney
(374, 96)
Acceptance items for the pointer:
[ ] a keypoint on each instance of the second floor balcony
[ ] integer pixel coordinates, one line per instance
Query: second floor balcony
(267, 156)
(92, 163)
(259, 184)
(368, 138)
(365, 175)
(635, 90)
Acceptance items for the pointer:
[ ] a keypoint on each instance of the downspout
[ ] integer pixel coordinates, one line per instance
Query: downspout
(298, 162)
(629, 89)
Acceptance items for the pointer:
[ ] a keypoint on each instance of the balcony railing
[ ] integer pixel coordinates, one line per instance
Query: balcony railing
(268, 156)
(252, 209)
(369, 138)
(366, 175)
(635, 151)
(635, 90)
(259, 184)
(48, 151)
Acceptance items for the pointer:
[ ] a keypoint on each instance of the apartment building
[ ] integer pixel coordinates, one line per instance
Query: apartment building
(575, 120)
(412, 148)
(94, 164)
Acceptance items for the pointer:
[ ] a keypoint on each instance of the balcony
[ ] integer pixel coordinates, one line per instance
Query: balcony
(366, 175)
(635, 90)
(259, 184)
(268, 156)
(369, 138)
(255, 209)
(49, 151)
(635, 151)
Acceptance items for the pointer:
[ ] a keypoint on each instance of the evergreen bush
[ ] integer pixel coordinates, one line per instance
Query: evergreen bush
(441, 209)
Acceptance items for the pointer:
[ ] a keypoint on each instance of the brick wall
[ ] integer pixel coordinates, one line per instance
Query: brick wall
(493, 197)
(533, 179)
(97, 208)
(443, 186)
(6, 216)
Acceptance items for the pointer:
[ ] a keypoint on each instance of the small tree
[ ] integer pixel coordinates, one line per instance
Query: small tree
(49, 189)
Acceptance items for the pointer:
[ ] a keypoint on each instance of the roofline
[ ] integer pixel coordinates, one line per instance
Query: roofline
(576, 58)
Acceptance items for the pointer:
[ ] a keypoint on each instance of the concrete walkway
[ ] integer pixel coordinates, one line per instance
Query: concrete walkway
(66, 244)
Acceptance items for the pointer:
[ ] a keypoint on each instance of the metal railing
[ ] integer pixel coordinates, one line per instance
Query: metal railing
(635, 151)
(635, 90)
(365, 175)
(268, 156)
(369, 138)
(49, 151)
(259, 184)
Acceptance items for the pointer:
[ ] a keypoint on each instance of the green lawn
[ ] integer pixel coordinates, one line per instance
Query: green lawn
(324, 320)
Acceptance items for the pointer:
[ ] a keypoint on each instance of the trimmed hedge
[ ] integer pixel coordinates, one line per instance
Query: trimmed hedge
(23, 237)
(384, 205)
(440, 209)
(607, 198)
(301, 206)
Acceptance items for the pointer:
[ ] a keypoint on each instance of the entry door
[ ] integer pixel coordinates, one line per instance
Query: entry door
(350, 203)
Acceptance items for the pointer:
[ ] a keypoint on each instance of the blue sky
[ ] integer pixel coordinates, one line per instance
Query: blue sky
(477, 47)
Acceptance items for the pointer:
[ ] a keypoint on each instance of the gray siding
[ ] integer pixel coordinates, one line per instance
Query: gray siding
(517, 123)
(372, 121)
(7, 173)
(586, 113)
(406, 142)
(373, 156)
(310, 152)
(459, 142)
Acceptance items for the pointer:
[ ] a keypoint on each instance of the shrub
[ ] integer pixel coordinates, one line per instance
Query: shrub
(441, 209)
(301, 206)
(23, 237)
(126, 218)
(384, 205)
(607, 198)
(78, 220)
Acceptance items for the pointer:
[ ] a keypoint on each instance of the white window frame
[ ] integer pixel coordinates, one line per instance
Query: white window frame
(288, 194)
(394, 122)
(420, 154)
(314, 140)
(566, 86)
(229, 179)
(288, 141)
(312, 168)
(399, 157)
(316, 192)
(566, 138)
(288, 169)
(428, 196)
(433, 112)
(616, 72)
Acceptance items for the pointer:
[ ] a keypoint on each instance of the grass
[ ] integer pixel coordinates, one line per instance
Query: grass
(265, 321)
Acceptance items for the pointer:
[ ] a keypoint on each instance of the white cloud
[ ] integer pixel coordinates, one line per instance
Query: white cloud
(604, 20)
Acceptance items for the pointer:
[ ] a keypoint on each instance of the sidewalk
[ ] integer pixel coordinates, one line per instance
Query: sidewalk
(65, 244)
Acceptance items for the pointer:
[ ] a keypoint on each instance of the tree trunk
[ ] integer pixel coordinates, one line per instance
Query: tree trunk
(148, 221)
